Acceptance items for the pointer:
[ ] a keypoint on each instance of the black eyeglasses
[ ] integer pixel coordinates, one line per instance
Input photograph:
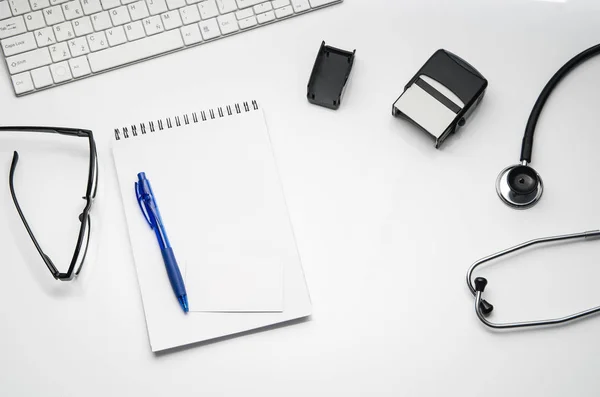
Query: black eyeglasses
(83, 238)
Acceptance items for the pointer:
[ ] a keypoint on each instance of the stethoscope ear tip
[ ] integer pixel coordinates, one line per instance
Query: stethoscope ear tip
(485, 307)
(480, 284)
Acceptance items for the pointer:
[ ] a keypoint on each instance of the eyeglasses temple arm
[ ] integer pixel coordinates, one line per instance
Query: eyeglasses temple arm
(53, 130)
(45, 257)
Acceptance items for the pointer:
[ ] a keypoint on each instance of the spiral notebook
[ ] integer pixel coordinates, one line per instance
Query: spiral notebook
(217, 186)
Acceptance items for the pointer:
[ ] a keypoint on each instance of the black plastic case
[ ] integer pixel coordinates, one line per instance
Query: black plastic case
(458, 76)
(329, 76)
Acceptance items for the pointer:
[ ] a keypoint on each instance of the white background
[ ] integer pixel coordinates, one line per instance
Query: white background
(386, 225)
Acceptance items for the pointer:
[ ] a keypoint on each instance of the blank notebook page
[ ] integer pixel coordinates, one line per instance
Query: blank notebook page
(217, 188)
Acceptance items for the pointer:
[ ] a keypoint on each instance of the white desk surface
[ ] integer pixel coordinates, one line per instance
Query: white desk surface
(386, 225)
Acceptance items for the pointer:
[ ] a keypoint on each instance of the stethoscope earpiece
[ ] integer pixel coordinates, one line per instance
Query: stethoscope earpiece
(519, 186)
(477, 285)
(485, 307)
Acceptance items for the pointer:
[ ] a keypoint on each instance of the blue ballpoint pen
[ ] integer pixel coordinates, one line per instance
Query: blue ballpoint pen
(147, 202)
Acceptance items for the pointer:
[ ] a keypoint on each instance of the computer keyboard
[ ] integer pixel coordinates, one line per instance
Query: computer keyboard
(47, 43)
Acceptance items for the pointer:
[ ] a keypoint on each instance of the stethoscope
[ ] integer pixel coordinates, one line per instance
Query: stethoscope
(521, 187)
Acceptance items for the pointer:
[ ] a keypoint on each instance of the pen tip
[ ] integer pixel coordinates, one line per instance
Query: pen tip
(183, 301)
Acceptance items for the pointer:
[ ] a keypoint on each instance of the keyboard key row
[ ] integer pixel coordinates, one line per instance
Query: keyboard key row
(47, 75)
(135, 50)
(68, 10)
(107, 35)
(64, 56)
(137, 10)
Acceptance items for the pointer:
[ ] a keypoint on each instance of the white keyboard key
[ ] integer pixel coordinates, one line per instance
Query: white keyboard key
(265, 17)
(108, 4)
(191, 34)
(83, 26)
(41, 77)
(79, 67)
(28, 60)
(318, 3)
(91, 6)
(300, 5)
(119, 16)
(45, 37)
(60, 72)
(57, 2)
(209, 29)
(174, 4)
(227, 23)
(38, 5)
(35, 20)
(4, 10)
(153, 25)
(54, 15)
(12, 27)
(208, 9)
(280, 3)
(247, 13)
(64, 31)
(262, 8)
(18, 44)
(116, 36)
(284, 11)
(18, 7)
(22, 83)
(135, 51)
(78, 47)
(248, 3)
(247, 22)
(157, 6)
(226, 6)
(134, 30)
(59, 52)
(97, 41)
(171, 20)
(138, 10)
(189, 14)
(101, 21)
(72, 10)
(125, 2)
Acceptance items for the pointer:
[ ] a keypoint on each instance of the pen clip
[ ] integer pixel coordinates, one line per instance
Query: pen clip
(139, 198)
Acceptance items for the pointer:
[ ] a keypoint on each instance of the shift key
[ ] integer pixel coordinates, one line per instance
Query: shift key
(28, 60)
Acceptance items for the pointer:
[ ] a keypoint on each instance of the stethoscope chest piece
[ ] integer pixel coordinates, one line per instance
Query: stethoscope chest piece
(519, 186)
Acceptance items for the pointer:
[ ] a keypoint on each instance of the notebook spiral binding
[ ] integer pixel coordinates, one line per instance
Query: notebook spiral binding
(177, 121)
